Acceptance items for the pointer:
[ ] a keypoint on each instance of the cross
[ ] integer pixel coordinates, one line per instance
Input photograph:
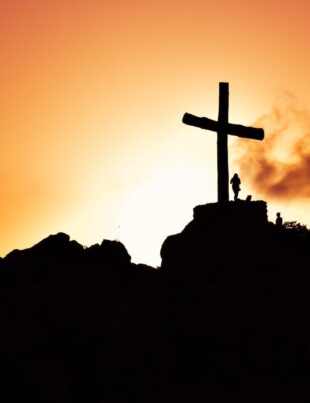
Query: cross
(223, 129)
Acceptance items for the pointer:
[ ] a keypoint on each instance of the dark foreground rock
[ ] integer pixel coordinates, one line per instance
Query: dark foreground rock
(226, 318)
(81, 325)
(242, 305)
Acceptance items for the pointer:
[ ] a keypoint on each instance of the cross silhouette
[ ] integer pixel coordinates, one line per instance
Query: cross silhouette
(223, 129)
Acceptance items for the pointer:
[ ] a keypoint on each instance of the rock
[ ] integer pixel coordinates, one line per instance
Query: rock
(220, 236)
(114, 251)
(53, 247)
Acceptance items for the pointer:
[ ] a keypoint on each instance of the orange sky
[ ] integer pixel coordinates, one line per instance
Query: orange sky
(92, 97)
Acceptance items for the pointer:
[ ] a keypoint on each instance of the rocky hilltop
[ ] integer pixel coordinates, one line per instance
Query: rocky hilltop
(219, 234)
(225, 318)
(241, 305)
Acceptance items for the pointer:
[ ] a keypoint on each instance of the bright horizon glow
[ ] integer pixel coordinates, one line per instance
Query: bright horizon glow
(161, 207)
(92, 98)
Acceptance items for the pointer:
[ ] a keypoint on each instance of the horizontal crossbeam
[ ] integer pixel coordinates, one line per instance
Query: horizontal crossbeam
(230, 128)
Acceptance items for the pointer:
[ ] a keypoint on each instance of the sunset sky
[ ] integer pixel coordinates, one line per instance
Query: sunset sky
(92, 98)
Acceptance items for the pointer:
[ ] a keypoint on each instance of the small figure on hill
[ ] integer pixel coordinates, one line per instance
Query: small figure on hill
(279, 220)
(235, 181)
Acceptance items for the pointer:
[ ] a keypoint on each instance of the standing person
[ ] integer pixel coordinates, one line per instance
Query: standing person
(279, 220)
(235, 181)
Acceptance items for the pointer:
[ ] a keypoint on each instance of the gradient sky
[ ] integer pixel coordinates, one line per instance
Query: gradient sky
(92, 97)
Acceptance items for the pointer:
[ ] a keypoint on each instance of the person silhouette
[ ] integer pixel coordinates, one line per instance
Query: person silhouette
(279, 220)
(235, 181)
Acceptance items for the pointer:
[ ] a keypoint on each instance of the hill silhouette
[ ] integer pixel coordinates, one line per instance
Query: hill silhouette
(226, 317)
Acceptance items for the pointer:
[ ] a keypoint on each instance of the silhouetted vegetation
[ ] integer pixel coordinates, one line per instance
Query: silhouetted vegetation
(296, 228)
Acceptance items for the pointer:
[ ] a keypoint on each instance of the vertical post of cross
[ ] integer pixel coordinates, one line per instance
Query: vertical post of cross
(222, 146)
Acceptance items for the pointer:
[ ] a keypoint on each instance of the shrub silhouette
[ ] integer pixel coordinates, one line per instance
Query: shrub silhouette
(296, 228)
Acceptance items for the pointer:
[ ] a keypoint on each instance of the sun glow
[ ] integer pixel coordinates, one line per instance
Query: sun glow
(162, 206)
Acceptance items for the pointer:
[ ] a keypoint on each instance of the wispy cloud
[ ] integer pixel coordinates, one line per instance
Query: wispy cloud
(278, 168)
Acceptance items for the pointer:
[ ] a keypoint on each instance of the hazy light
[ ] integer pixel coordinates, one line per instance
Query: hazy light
(161, 207)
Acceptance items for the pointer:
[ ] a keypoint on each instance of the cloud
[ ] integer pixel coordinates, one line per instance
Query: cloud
(278, 168)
